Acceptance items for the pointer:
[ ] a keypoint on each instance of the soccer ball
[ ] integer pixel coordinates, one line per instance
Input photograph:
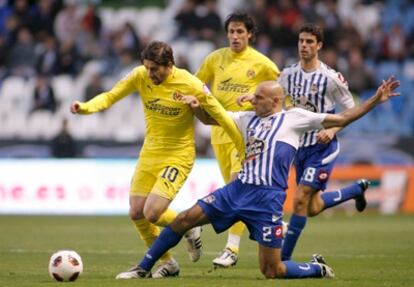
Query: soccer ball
(65, 265)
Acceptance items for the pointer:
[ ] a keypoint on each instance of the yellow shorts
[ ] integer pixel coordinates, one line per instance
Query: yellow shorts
(162, 172)
(228, 159)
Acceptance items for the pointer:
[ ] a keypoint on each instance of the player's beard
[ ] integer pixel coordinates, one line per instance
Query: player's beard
(155, 80)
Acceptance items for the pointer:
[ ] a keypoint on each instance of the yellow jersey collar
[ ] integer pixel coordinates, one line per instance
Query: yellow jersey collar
(172, 75)
(242, 54)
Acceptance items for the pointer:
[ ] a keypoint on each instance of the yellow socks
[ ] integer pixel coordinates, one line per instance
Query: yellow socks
(166, 218)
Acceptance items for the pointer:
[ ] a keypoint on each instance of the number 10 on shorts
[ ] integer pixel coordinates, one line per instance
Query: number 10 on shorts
(170, 173)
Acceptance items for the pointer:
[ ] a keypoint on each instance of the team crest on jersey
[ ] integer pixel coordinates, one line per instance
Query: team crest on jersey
(254, 147)
(278, 232)
(209, 198)
(304, 103)
(250, 74)
(250, 132)
(323, 176)
(314, 88)
(177, 96)
(266, 126)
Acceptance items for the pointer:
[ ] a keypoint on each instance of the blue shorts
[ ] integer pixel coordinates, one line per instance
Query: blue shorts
(315, 163)
(259, 207)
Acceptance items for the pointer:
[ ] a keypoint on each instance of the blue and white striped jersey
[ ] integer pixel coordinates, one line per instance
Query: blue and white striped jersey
(318, 91)
(271, 143)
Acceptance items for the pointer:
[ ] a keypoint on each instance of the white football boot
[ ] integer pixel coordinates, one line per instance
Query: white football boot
(167, 269)
(194, 243)
(135, 272)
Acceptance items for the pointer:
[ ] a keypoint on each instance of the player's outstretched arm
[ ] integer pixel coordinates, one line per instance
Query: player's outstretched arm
(383, 94)
(198, 111)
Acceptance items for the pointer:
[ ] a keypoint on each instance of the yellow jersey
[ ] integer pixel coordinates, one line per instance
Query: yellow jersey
(231, 75)
(168, 121)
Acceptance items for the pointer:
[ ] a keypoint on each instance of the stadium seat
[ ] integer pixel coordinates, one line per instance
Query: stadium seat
(19, 125)
(85, 127)
(11, 124)
(40, 125)
(16, 93)
(408, 69)
(225, 7)
(380, 153)
(390, 15)
(165, 31)
(107, 16)
(408, 23)
(125, 120)
(197, 52)
(180, 48)
(147, 20)
(63, 86)
(126, 15)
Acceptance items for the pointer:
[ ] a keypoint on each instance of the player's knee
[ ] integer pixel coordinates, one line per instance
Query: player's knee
(135, 214)
(151, 215)
(300, 204)
(271, 271)
(302, 199)
(313, 212)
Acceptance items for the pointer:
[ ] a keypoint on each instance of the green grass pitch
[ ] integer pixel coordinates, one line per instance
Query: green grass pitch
(364, 250)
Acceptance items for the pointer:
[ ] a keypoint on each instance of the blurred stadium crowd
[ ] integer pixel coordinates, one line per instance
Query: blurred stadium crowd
(53, 52)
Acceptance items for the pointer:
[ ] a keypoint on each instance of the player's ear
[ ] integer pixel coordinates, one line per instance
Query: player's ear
(250, 36)
(319, 46)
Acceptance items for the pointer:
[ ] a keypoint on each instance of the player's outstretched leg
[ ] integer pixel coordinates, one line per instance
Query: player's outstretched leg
(354, 191)
(167, 239)
(194, 243)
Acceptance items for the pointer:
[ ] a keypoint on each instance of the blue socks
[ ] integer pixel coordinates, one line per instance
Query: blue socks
(302, 270)
(165, 241)
(296, 224)
(332, 198)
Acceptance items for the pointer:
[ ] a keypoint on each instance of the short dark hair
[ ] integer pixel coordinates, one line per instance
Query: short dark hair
(243, 18)
(314, 30)
(159, 52)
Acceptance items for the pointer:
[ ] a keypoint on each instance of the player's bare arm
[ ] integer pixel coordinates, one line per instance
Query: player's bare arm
(383, 94)
(198, 111)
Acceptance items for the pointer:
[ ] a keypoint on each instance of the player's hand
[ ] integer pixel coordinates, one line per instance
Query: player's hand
(325, 136)
(244, 98)
(190, 100)
(386, 90)
(75, 107)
